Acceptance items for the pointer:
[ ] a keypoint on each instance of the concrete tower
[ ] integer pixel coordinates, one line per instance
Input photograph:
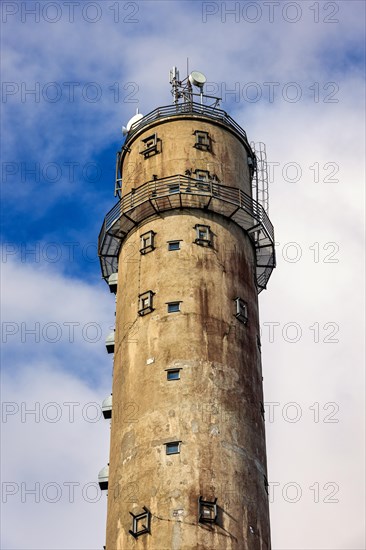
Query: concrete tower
(187, 249)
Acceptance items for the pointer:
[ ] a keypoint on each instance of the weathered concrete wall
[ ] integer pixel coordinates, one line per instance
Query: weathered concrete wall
(227, 159)
(215, 407)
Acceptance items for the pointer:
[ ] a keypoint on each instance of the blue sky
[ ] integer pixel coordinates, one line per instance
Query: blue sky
(297, 73)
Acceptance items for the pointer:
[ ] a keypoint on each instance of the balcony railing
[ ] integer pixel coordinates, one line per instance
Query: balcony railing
(187, 109)
(180, 191)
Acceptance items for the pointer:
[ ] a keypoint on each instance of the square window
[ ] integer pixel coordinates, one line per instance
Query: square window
(173, 307)
(147, 242)
(172, 448)
(149, 146)
(146, 303)
(203, 177)
(173, 374)
(174, 245)
(140, 523)
(149, 142)
(203, 140)
(203, 235)
(241, 310)
(207, 510)
(173, 188)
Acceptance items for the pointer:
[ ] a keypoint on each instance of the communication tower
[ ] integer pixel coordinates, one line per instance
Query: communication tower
(187, 248)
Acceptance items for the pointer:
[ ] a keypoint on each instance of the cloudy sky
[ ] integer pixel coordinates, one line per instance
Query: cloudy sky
(292, 75)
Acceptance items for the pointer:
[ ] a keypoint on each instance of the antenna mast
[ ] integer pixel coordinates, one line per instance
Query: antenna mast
(183, 89)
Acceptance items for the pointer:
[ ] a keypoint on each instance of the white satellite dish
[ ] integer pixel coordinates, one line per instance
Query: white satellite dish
(136, 118)
(197, 79)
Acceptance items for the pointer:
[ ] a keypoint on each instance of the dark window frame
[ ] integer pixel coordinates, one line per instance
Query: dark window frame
(171, 445)
(137, 518)
(148, 308)
(203, 179)
(170, 243)
(146, 248)
(170, 371)
(150, 145)
(205, 240)
(241, 310)
(207, 506)
(173, 188)
(203, 140)
(174, 303)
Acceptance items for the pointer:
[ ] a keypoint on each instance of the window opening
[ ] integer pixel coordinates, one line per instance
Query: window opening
(149, 146)
(174, 245)
(141, 523)
(146, 303)
(172, 448)
(203, 141)
(147, 242)
(203, 235)
(173, 374)
(173, 307)
(207, 510)
(241, 310)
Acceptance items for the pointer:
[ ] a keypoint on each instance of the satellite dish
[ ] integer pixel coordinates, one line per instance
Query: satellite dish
(133, 120)
(136, 118)
(197, 79)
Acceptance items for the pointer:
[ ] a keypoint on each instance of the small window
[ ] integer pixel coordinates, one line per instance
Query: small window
(174, 245)
(203, 140)
(172, 448)
(149, 146)
(241, 310)
(173, 188)
(173, 307)
(173, 374)
(147, 242)
(203, 235)
(203, 176)
(140, 523)
(146, 303)
(207, 510)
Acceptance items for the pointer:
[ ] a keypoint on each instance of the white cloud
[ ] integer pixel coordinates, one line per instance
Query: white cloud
(53, 456)
(58, 450)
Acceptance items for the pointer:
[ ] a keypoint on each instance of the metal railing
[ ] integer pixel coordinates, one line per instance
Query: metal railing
(189, 108)
(180, 191)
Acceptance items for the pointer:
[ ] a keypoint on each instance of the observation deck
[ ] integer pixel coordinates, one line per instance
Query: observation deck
(188, 110)
(177, 192)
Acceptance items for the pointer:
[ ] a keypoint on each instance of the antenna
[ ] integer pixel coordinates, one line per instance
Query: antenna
(183, 89)
(198, 79)
(174, 81)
